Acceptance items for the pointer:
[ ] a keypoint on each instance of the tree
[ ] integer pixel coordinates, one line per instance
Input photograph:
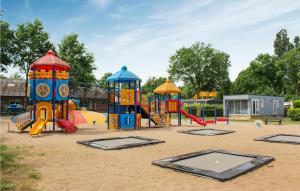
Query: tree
(7, 38)
(201, 68)
(297, 42)
(258, 78)
(82, 62)
(15, 76)
(31, 42)
(102, 81)
(289, 68)
(282, 43)
(151, 84)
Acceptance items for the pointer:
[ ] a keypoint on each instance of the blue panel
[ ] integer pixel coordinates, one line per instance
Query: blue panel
(127, 121)
(30, 96)
(48, 82)
(58, 84)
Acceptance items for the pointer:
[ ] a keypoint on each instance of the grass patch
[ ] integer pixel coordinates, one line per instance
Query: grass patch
(34, 175)
(14, 174)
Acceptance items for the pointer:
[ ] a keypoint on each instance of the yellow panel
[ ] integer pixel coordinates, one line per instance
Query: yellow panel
(113, 121)
(138, 120)
(127, 97)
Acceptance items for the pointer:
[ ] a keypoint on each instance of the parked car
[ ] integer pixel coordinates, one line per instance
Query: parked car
(15, 108)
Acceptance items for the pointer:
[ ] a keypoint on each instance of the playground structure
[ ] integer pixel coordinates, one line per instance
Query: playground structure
(126, 106)
(123, 90)
(48, 94)
(166, 101)
(216, 119)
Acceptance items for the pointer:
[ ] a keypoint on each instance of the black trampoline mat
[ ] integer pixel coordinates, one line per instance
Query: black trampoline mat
(206, 132)
(281, 138)
(217, 164)
(119, 142)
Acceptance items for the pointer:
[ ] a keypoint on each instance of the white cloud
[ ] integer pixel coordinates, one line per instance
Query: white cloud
(146, 47)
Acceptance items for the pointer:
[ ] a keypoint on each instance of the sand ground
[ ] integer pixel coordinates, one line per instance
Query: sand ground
(66, 165)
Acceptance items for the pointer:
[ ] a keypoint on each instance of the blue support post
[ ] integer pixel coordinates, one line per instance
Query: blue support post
(165, 100)
(119, 104)
(135, 107)
(53, 96)
(158, 103)
(154, 103)
(34, 93)
(190, 112)
(140, 92)
(179, 109)
(108, 104)
(215, 112)
(227, 113)
(203, 114)
(149, 110)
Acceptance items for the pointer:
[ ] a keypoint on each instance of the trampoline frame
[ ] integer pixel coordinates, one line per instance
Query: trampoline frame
(258, 161)
(266, 139)
(149, 142)
(221, 131)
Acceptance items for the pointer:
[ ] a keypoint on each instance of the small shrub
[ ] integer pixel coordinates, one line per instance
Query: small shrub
(6, 185)
(296, 103)
(294, 114)
(34, 175)
(7, 157)
(209, 109)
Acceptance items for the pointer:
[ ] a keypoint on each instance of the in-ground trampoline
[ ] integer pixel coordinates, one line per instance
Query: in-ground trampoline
(206, 132)
(281, 138)
(114, 143)
(217, 164)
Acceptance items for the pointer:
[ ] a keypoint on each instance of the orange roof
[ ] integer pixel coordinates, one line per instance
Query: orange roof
(167, 88)
(49, 61)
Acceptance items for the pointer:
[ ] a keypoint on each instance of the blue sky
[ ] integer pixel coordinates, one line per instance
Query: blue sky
(144, 34)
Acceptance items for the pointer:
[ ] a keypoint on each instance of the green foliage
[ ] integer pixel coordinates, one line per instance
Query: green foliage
(294, 114)
(34, 175)
(200, 67)
(209, 109)
(15, 76)
(7, 185)
(151, 84)
(7, 157)
(31, 43)
(282, 43)
(102, 81)
(289, 71)
(7, 39)
(259, 78)
(82, 61)
(296, 104)
(297, 42)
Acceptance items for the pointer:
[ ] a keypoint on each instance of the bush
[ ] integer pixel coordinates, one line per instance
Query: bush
(294, 114)
(209, 110)
(296, 103)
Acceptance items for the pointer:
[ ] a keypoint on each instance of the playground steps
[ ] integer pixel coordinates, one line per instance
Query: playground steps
(159, 122)
(25, 125)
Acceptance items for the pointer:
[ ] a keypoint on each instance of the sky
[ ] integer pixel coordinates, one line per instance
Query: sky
(143, 34)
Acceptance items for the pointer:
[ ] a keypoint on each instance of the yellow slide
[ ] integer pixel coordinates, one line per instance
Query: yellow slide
(38, 126)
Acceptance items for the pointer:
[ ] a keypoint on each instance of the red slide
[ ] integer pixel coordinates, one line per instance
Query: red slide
(68, 126)
(193, 118)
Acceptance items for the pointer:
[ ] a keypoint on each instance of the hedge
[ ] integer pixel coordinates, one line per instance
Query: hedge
(209, 109)
(294, 114)
(296, 103)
